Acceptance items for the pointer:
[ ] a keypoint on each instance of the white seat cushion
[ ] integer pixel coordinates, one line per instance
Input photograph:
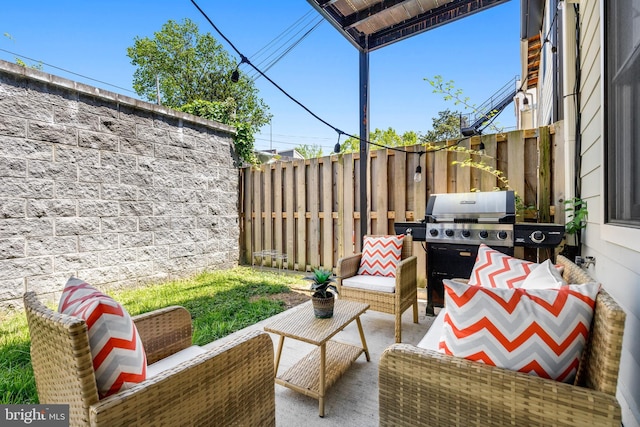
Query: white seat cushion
(371, 283)
(174, 360)
(431, 340)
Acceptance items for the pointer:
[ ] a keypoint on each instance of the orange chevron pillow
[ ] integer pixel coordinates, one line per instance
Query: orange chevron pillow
(119, 360)
(380, 255)
(536, 331)
(497, 270)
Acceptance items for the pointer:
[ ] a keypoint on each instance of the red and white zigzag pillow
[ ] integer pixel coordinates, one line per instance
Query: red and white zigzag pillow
(497, 270)
(119, 360)
(536, 331)
(380, 255)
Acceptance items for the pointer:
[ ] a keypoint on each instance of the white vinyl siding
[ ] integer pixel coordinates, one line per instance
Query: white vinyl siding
(616, 249)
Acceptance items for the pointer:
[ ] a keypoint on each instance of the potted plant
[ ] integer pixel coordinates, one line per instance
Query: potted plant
(323, 292)
(577, 221)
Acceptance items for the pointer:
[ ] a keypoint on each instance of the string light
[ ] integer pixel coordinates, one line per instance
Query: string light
(417, 177)
(235, 76)
(481, 148)
(337, 147)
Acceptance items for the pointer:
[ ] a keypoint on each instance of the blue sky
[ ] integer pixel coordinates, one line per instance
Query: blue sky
(479, 53)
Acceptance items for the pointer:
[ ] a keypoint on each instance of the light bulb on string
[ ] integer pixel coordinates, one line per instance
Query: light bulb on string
(417, 177)
(337, 147)
(235, 75)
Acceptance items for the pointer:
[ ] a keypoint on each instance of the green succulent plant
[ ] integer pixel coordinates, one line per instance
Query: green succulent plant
(322, 282)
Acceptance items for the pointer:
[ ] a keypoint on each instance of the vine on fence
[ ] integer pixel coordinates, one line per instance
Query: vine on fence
(450, 93)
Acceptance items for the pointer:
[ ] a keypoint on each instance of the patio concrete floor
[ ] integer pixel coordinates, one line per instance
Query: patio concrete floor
(353, 399)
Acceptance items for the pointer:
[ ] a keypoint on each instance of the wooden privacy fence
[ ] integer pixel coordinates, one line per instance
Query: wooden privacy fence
(306, 213)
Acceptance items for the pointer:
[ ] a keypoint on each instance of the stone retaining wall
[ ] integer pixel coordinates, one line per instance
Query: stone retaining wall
(107, 188)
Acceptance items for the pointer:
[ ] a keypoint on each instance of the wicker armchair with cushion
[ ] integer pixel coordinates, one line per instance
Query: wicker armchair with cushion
(426, 387)
(231, 384)
(392, 294)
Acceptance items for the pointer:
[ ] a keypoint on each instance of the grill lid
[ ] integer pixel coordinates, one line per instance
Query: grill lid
(489, 207)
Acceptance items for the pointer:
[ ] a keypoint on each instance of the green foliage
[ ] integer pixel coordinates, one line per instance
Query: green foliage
(578, 215)
(322, 282)
(445, 127)
(20, 62)
(220, 302)
(189, 67)
(481, 165)
(17, 384)
(309, 151)
(450, 93)
(381, 139)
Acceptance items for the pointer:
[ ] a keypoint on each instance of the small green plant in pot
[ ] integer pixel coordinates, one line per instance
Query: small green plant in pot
(323, 292)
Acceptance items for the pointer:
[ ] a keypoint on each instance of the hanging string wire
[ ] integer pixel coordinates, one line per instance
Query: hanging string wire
(66, 71)
(245, 60)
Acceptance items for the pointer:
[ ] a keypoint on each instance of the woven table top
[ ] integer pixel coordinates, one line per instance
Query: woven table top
(301, 323)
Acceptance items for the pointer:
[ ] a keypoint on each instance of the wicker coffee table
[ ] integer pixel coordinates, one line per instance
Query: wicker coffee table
(316, 372)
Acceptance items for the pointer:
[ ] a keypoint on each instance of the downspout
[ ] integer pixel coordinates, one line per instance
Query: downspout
(570, 87)
(578, 152)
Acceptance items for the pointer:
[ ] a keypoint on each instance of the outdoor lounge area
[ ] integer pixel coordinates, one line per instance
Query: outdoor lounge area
(124, 193)
(231, 381)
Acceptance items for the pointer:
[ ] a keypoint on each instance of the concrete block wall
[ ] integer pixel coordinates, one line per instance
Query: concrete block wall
(107, 188)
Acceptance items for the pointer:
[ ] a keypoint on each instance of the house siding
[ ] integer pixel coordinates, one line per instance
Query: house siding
(617, 257)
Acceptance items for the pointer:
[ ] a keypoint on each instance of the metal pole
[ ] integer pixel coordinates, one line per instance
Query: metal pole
(364, 147)
(158, 88)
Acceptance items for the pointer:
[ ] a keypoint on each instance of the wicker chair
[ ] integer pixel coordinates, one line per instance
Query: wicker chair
(232, 384)
(396, 303)
(424, 387)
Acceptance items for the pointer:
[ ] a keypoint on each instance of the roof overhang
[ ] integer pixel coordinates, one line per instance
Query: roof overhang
(372, 24)
(531, 18)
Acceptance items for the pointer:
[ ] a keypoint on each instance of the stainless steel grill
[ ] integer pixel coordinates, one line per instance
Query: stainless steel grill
(471, 218)
(456, 224)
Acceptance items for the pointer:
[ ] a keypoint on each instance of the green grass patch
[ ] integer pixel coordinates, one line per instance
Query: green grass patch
(220, 303)
(17, 384)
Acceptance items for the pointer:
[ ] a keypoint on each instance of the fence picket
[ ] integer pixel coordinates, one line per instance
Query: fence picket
(309, 209)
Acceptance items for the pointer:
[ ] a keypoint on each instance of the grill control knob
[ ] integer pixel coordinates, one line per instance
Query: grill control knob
(537, 236)
(466, 233)
(502, 235)
(433, 232)
(484, 234)
(448, 232)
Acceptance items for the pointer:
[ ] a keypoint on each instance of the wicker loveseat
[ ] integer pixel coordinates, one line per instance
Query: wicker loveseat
(428, 388)
(405, 292)
(231, 384)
